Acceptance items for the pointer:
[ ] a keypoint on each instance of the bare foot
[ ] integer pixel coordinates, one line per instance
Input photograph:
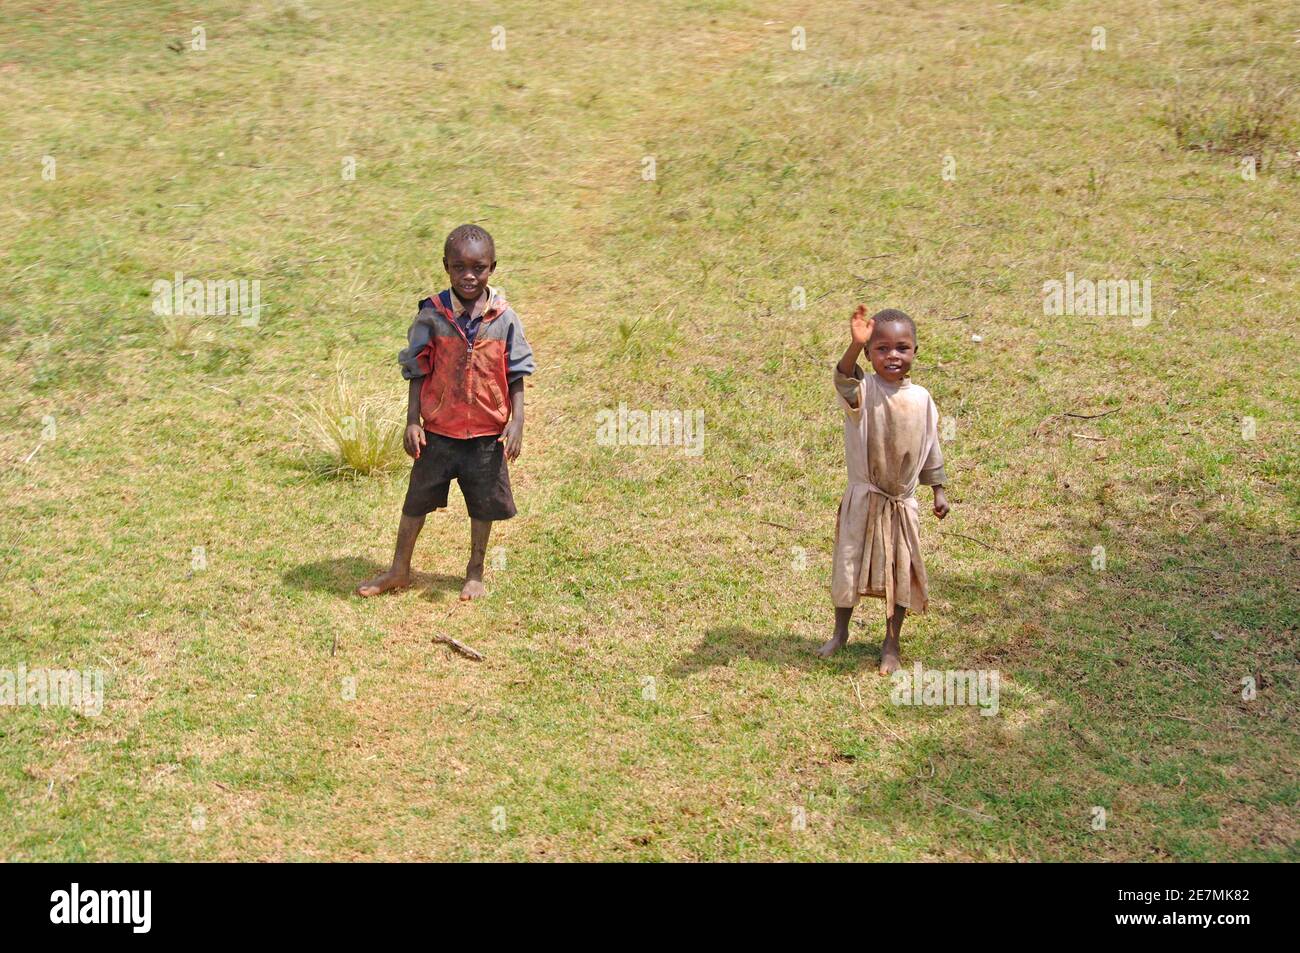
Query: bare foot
(472, 589)
(890, 662)
(836, 643)
(391, 579)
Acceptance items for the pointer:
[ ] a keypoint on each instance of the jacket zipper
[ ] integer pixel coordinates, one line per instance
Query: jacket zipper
(469, 363)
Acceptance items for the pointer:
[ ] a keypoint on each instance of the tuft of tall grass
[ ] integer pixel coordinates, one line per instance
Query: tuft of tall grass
(1244, 119)
(363, 433)
(177, 330)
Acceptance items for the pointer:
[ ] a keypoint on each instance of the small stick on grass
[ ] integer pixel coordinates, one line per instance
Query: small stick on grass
(974, 540)
(886, 727)
(953, 804)
(459, 646)
(1038, 431)
(1069, 413)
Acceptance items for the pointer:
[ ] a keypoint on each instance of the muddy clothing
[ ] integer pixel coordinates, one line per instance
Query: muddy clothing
(477, 464)
(467, 360)
(891, 445)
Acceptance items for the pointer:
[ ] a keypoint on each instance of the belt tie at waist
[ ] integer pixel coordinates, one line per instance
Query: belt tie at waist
(895, 535)
(907, 499)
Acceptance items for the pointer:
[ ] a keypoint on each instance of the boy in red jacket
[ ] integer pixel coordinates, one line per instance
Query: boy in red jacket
(466, 360)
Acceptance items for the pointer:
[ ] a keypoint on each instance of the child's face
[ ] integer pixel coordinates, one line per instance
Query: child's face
(469, 266)
(891, 350)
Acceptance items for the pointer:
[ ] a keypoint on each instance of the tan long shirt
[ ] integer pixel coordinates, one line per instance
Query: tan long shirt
(891, 445)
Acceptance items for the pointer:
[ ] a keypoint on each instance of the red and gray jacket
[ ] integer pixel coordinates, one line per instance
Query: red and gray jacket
(466, 388)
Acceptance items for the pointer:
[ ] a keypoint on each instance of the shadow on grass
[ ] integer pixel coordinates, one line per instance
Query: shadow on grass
(320, 468)
(1121, 692)
(780, 648)
(1122, 689)
(342, 575)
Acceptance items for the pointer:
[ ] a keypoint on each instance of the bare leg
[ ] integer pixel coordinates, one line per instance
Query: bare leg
(479, 530)
(841, 635)
(890, 658)
(398, 575)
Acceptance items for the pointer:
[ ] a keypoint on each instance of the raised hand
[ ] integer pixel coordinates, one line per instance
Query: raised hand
(860, 326)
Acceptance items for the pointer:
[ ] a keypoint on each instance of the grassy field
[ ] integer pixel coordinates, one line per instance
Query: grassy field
(648, 690)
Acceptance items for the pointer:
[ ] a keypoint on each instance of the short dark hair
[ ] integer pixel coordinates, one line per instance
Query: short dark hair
(468, 235)
(894, 316)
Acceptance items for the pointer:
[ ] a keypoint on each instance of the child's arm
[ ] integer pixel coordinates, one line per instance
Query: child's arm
(932, 474)
(416, 360)
(414, 437)
(513, 435)
(940, 502)
(860, 328)
(520, 363)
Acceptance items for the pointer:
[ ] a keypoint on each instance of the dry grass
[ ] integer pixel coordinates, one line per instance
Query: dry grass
(1251, 118)
(363, 434)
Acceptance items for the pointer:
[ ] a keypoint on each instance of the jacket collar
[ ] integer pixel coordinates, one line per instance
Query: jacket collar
(448, 305)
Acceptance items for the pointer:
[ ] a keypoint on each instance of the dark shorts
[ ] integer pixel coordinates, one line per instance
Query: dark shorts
(478, 464)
